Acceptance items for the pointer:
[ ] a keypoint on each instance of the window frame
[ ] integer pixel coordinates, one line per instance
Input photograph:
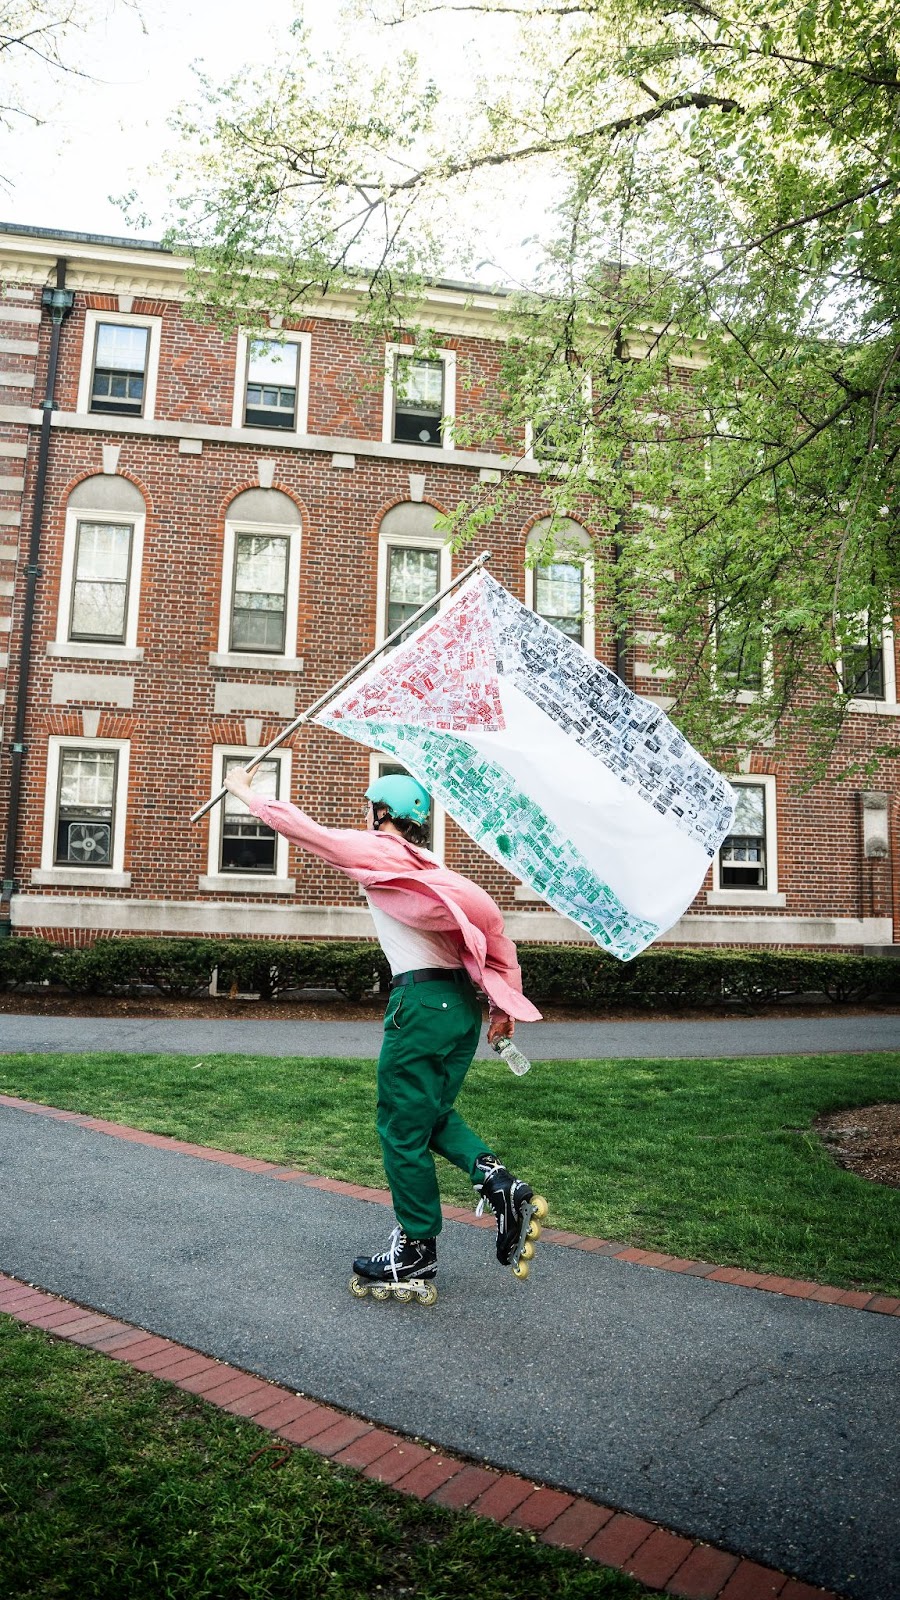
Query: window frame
(770, 897)
(238, 650)
(81, 522)
(120, 319)
(387, 542)
(742, 697)
(303, 341)
(869, 704)
(267, 530)
(583, 554)
(79, 873)
(448, 359)
(215, 880)
(587, 390)
(100, 649)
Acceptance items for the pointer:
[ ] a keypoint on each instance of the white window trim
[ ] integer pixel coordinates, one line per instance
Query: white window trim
(250, 658)
(448, 357)
(388, 541)
(246, 337)
(97, 650)
(215, 881)
(888, 706)
(113, 876)
(743, 697)
(587, 389)
(439, 815)
(587, 560)
(87, 361)
(769, 897)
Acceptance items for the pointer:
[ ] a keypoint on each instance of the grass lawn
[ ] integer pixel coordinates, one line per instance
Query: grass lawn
(714, 1159)
(114, 1486)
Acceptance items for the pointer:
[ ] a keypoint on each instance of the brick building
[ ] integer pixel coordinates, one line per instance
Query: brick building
(206, 531)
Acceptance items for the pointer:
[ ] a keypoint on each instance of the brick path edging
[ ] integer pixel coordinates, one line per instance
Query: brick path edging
(769, 1282)
(654, 1555)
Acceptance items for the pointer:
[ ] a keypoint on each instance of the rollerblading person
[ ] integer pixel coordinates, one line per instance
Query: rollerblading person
(518, 1210)
(441, 935)
(405, 1270)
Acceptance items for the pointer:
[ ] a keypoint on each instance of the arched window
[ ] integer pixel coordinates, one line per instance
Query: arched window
(559, 581)
(260, 580)
(99, 590)
(413, 564)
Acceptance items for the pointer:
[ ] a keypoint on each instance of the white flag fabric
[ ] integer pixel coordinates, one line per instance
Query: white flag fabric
(581, 789)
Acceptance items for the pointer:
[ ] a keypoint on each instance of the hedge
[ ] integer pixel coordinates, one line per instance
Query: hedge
(659, 980)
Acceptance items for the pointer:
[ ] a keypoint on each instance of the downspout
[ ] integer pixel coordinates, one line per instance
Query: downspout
(58, 301)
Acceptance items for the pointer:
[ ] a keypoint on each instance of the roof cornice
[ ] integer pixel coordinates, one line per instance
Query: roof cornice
(141, 268)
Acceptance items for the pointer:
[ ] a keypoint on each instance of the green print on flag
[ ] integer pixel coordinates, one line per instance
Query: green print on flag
(483, 797)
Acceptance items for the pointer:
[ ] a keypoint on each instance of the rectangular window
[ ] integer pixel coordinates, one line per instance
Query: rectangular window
(247, 844)
(862, 664)
(120, 369)
(413, 579)
(559, 596)
(100, 583)
(742, 858)
(271, 397)
(85, 811)
(418, 401)
(740, 653)
(260, 593)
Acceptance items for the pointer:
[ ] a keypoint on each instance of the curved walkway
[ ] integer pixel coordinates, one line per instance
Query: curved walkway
(832, 1034)
(761, 1423)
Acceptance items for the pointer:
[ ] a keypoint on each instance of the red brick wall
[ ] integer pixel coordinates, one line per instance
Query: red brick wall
(173, 725)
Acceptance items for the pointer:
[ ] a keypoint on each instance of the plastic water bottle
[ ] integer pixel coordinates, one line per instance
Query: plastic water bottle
(513, 1057)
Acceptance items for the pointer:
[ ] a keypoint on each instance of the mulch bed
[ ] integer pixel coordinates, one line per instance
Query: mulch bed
(865, 1140)
(331, 1008)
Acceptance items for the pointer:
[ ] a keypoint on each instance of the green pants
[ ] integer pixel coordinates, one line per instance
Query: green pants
(431, 1032)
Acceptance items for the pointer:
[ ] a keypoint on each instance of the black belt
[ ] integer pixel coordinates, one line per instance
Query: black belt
(431, 975)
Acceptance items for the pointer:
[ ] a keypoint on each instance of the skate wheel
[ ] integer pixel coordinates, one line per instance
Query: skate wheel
(520, 1270)
(527, 1251)
(381, 1292)
(541, 1207)
(404, 1296)
(428, 1295)
(358, 1287)
(534, 1229)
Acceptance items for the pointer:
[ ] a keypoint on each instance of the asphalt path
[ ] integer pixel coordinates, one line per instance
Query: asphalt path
(763, 1423)
(543, 1041)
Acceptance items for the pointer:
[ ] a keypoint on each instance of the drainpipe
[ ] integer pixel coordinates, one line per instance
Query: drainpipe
(58, 301)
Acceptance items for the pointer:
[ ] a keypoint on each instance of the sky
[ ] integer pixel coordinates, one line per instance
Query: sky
(103, 134)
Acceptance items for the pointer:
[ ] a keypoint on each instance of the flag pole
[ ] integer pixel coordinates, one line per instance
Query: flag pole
(309, 713)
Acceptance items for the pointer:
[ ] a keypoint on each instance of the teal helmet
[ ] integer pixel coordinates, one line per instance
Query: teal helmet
(401, 795)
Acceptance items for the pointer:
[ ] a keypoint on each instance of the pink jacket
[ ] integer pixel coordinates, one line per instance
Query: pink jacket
(405, 883)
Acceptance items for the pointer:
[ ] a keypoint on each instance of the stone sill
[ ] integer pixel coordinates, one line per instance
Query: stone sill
(761, 899)
(236, 883)
(256, 663)
(65, 649)
(79, 878)
(875, 708)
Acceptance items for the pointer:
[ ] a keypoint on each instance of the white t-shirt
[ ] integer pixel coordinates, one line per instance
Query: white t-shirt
(408, 949)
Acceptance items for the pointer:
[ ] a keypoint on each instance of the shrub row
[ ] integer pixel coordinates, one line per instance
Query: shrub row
(660, 979)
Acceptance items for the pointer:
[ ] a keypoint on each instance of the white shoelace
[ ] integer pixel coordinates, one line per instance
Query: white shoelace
(390, 1254)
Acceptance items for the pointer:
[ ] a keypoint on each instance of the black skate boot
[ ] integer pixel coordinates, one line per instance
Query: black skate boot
(519, 1212)
(404, 1271)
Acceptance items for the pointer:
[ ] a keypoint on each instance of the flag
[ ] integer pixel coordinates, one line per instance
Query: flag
(584, 791)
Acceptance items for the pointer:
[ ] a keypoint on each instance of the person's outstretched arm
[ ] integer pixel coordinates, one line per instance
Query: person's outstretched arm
(348, 849)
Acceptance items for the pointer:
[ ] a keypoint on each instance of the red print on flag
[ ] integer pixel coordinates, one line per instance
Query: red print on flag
(444, 677)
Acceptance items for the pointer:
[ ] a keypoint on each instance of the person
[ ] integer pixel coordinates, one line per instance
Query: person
(441, 934)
